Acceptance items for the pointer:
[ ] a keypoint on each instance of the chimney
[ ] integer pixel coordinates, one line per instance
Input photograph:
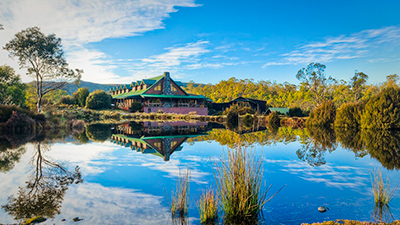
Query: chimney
(166, 74)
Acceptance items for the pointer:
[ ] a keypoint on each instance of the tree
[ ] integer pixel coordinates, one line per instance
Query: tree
(322, 116)
(357, 83)
(382, 111)
(315, 79)
(12, 91)
(348, 115)
(391, 80)
(98, 100)
(43, 57)
(80, 96)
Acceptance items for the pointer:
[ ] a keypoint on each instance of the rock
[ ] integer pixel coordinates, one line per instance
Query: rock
(322, 209)
(76, 219)
(63, 219)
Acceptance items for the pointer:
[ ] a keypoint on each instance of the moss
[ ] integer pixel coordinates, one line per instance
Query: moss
(33, 220)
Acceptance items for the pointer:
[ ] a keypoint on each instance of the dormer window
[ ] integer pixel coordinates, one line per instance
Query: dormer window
(173, 88)
(158, 88)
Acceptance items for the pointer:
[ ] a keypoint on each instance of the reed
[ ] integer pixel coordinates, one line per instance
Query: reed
(180, 199)
(208, 208)
(383, 193)
(239, 181)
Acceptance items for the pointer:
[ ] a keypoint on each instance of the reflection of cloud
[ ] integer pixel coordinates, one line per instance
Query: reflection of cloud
(331, 175)
(97, 204)
(362, 44)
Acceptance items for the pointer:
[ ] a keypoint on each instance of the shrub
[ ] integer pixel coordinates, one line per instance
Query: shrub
(232, 119)
(98, 100)
(382, 112)
(6, 112)
(80, 96)
(296, 111)
(67, 100)
(322, 116)
(248, 120)
(273, 120)
(348, 115)
(136, 106)
(98, 132)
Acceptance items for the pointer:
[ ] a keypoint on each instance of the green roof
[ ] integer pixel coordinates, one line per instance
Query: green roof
(280, 110)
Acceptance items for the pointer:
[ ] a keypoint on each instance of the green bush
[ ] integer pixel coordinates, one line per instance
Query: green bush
(273, 120)
(6, 112)
(98, 132)
(136, 106)
(296, 111)
(322, 116)
(98, 100)
(248, 120)
(348, 115)
(68, 100)
(382, 112)
(232, 119)
(80, 96)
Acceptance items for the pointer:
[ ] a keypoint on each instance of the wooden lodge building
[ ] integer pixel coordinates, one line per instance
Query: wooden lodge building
(255, 104)
(158, 94)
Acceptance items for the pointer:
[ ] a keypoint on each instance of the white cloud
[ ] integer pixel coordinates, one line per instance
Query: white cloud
(79, 22)
(365, 44)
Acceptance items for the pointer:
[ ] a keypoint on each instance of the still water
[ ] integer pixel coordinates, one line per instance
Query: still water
(125, 173)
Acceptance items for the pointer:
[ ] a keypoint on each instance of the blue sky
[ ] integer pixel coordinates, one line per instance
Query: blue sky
(207, 40)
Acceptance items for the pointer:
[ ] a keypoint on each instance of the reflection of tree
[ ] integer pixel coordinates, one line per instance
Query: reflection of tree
(351, 139)
(9, 157)
(44, 193)
(98, 132)
(313, 149)
(383, 145)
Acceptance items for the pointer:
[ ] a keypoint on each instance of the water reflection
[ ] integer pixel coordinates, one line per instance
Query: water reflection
(160, 139)
(44, 192)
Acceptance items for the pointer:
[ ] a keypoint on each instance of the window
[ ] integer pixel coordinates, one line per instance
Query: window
(158, 88)
(173, 88)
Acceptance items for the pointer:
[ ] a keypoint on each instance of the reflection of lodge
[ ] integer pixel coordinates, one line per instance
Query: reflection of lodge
(160, 139)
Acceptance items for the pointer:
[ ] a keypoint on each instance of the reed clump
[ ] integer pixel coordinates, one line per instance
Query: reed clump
(239, 182)
(383, 193)
(180, 199)
(208, 208)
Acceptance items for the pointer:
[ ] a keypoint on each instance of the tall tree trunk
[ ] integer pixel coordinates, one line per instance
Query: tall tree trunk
(39, 93)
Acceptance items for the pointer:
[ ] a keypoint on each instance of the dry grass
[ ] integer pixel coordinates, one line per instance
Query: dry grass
(239, 184)
(383, 193)
(180, 199)
(208, 208)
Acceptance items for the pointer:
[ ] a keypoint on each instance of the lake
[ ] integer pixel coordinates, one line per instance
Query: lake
(125, 173)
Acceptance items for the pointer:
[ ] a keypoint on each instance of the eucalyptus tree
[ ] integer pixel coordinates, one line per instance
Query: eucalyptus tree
(358, 82)
(43, 57)
(313, 77)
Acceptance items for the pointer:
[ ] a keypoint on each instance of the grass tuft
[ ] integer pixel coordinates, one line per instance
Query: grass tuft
(383, 193)
(238, 179)
(180, 199)
(208, 208)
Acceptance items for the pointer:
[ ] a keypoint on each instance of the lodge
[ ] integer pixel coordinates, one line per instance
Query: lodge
(158, 94)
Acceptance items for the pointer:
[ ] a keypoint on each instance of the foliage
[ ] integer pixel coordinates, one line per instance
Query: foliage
(241, 110)
(322, 116)
(9, 157)
(357, 83)
(12, 91)
(383, 145)
(208, 208)
(238, 179)
(248, 121)
(296, 111)
(80, 96)
(98, 100)
(232, 119)
(348, 115)
(67, 100)
(180, 202)
(350, 138)
(44, 60)
(383, 110)
(98, 132)
(136, 106)
(52, 98)
(315, 79)
(273, 120)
